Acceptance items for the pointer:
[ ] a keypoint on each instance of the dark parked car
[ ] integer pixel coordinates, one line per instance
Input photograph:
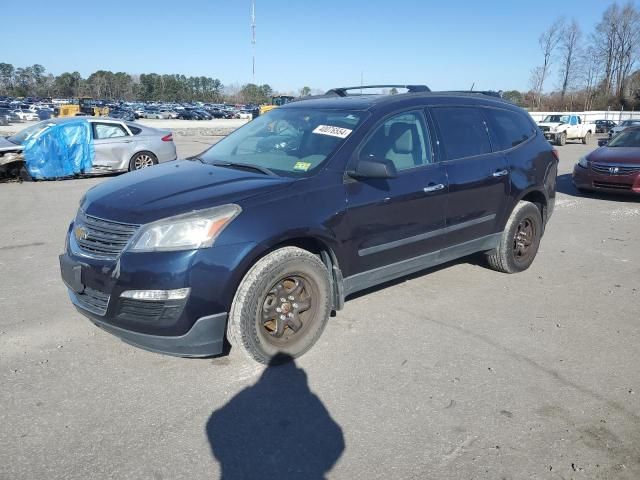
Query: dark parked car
(603, 126)
(122, 114)
(188, 115)
(263, 235)
(204, 115)
(614, 168)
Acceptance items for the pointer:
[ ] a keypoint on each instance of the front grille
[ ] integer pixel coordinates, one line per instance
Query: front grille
(618, 169)
(545, 129)
(612, 185)
(102, 238)
(93, 301)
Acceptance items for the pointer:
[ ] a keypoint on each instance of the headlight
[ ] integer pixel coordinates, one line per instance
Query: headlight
(583, 162)
(185, 232)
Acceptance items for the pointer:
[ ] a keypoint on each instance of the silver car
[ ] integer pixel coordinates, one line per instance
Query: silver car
(120, 146)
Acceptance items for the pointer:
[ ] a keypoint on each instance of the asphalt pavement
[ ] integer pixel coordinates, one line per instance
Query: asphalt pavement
(455, 373)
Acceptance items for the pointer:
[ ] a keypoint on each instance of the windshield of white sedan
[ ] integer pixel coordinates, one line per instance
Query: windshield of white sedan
(627, 138)
(287, 141)
(22, 136)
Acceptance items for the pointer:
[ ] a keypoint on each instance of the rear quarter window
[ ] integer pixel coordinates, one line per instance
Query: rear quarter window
(134, 130)
(463, 131)
(508, 129)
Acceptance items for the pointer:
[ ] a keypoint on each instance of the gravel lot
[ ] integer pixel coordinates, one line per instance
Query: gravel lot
(460, 373)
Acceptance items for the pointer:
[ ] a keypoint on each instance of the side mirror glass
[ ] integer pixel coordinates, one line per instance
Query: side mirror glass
(368, 168)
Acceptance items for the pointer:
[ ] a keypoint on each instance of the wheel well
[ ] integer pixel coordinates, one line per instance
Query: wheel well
(324, 253)
(539, 200)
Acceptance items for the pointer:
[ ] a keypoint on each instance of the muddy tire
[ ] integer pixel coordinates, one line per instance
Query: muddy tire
(281, 306)
(520, 240)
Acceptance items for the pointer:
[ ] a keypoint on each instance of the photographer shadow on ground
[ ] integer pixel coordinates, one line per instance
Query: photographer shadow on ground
(275, 429)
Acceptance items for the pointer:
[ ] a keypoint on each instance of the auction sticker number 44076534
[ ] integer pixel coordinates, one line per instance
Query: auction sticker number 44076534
(332, 131)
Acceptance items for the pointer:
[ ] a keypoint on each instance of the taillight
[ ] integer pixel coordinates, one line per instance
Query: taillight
(168, 138)
(554, 151)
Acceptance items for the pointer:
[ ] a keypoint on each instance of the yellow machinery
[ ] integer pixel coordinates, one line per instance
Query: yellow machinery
(84, 106)
(276, 101)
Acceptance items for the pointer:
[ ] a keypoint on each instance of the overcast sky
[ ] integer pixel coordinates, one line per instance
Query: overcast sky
(322, 44)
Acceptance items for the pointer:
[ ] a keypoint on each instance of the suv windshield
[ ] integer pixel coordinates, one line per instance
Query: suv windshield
(287, 141)
(556, 119)
(627, 138)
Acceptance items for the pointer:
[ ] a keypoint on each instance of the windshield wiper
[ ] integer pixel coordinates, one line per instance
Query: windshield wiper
(245, 166)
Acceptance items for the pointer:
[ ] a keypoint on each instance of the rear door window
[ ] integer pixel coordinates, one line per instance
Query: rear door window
(508, 129)
(463, 131)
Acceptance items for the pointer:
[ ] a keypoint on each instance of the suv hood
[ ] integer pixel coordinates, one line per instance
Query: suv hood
(550, 124)
(174, 188)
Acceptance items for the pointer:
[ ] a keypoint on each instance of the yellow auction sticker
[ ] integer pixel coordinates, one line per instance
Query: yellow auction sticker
(304, 166)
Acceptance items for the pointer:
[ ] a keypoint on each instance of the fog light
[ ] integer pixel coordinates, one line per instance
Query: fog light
(157, 295)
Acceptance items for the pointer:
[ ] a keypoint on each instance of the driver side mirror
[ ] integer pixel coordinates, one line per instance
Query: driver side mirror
(368, 168)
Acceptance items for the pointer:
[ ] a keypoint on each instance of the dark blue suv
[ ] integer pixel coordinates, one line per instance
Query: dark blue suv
(261, 237)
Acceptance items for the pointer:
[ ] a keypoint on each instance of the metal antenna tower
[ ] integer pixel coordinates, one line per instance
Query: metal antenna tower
(253, 40)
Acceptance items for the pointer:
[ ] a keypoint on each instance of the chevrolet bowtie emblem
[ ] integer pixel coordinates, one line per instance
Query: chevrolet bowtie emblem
(81, 233)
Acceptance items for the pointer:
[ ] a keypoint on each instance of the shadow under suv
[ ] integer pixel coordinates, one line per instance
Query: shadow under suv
(262, 236)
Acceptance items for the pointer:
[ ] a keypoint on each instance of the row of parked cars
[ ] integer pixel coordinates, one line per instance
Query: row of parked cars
(14, 111)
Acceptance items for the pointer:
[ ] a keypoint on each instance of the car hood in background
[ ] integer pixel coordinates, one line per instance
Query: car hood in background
(6, 145)
(174, 188)
(617, 155)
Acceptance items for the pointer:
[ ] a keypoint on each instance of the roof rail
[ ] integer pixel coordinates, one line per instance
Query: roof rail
(342, 91)
(490, 93)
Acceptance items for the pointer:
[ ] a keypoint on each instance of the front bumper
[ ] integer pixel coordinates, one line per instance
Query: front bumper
(193, 326)
(204, 339)
(587, 179)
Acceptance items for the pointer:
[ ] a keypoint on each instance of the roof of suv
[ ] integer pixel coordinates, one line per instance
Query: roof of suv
(366, 102)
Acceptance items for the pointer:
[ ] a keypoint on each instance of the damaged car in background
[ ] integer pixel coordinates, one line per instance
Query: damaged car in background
(67, 147)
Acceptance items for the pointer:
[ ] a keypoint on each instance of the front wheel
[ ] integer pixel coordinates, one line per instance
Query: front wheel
(561, 140)
(520, 240)
(281, 306)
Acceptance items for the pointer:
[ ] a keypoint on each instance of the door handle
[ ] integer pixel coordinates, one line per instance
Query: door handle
(433, 188)
(500, 173)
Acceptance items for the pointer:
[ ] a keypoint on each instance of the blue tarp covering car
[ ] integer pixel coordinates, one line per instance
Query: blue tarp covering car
(59, 150)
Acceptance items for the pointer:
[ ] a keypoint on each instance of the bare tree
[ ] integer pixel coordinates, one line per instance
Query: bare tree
(627, 39)
(590, 74)
(570, 51)
(548, 42)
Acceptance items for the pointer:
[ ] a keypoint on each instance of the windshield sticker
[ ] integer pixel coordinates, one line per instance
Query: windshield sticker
(304, 166)
(332, 131)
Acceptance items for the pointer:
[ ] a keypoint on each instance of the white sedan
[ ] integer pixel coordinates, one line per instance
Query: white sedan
(25, 115)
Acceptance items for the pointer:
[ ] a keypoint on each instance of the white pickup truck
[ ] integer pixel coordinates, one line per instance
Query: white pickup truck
(560, 128)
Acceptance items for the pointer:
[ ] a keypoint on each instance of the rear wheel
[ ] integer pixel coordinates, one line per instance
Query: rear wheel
(520, 240)
(281, 305)
(142, 160)
(586, 138)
